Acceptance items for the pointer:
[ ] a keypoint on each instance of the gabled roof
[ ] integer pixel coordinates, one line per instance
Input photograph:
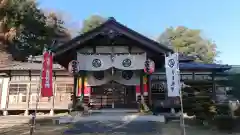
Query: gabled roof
(112, 24)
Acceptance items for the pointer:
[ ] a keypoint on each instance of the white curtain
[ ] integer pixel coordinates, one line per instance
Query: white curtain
(92, 81)
(137, 61)
(135, 80)
(86, 62)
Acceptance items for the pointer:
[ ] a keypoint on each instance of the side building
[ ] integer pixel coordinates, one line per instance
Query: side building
(19, 83)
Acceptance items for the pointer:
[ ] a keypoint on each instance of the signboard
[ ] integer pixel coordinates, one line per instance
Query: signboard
(172, 75)
(46, 76)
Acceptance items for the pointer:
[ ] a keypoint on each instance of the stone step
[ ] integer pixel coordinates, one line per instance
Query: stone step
(100, 117)
(114, 111)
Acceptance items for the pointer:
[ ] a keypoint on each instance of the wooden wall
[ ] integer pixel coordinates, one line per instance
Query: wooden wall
(23, 88)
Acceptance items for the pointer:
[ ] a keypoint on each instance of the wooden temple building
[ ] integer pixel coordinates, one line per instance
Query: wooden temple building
(111, 73)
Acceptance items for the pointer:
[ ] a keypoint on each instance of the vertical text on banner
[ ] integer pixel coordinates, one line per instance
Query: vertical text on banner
(172, 75)
(47, 88)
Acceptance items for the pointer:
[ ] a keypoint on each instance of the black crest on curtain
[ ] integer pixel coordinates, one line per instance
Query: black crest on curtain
(127, 74)
(99, 75)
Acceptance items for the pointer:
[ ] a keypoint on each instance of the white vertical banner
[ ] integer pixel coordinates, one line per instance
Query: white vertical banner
(172, 75)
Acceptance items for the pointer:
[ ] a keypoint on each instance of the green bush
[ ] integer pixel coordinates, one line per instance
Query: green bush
(237, 112)
(224, 122)
(222, 109)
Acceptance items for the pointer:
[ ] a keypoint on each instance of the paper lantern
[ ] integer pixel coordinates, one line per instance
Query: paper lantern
(149, 66)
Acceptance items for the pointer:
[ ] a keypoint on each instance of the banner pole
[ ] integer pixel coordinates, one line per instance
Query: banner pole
(181, 100)
(34, 115)
(40, 83)
(182, 117)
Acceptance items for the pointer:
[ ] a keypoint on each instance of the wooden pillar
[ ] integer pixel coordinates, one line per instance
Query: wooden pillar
(30, 88)
(75, 84)
(74, 99)
(213, 86)
(26, 113)
(83, 83)
(5, 111)
(149, 90)
(141, 83)
(54, 93)
(193, 76)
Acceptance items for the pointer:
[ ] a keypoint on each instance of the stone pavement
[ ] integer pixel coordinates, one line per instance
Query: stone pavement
(114, 127)
(99, 128)
(8, 121)
(16, 125)
(116, 123)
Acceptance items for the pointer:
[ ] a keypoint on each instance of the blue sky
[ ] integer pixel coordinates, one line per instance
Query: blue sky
(219, 19)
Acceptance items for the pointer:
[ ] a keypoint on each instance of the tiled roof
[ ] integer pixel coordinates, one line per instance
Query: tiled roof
(28, 66)
(234, 70)
(200, 67)
(195, 65)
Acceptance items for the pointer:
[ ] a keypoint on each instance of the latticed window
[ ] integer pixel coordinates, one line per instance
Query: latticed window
(63, 92)
(34, 88)
(64, 88)
(34, 93)
(17, 93)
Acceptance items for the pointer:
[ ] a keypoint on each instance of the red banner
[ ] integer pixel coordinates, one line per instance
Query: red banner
(47, 88)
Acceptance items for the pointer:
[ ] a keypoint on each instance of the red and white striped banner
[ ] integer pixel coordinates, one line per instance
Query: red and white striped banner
(46, 76)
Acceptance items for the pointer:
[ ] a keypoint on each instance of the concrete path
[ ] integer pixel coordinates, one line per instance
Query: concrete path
(116, 123)
(109, 116)
(126, 117)
(114, 127)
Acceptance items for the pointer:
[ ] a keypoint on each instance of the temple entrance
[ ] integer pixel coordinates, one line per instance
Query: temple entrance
(113, 95)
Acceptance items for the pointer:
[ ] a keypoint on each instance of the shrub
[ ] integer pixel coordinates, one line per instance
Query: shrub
(223, 109)
(237, 112)
(224, 122)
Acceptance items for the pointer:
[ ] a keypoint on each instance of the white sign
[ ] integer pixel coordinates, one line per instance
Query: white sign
(172, 75)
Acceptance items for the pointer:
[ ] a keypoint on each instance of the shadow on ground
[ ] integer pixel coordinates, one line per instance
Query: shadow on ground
(44, 126)
(115, 127)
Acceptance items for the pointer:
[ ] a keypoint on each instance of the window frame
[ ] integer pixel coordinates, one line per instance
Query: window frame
(17, 98)
(63, 95)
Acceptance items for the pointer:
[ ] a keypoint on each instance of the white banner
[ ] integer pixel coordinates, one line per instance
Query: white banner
(172, 75)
